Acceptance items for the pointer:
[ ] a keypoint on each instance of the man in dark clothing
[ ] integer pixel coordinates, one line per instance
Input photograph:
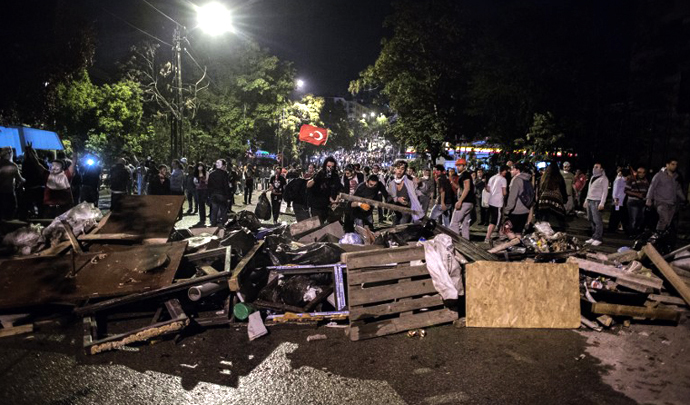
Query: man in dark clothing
(277, 184)
(219, 190)
(120, 184)
(90, 182)
(371, 189)
(636, 188)
(324, 189)
(296, 193)
(248, 184)
(233, 179)
(466, 200)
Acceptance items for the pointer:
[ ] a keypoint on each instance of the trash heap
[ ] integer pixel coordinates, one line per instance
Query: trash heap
(178, 282)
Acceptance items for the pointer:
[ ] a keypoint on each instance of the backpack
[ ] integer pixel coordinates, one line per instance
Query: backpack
(527, 195)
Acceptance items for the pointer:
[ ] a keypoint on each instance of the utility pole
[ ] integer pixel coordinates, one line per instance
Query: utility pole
(176, 136)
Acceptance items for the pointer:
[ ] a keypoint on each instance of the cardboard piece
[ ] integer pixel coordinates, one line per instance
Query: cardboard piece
(523, 295)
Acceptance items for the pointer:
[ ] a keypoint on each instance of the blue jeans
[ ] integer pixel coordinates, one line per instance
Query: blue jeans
(219, 213)
(636, 214)
(594, 216)
(436, 212)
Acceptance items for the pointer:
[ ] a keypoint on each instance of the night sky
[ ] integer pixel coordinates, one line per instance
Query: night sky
(329, 42)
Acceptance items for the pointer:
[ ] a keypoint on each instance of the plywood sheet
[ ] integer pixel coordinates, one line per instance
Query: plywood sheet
(523, 295)
(43, 280)
(150, 216)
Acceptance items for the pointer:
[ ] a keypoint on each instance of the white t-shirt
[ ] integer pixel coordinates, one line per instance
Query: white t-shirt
(496, 185)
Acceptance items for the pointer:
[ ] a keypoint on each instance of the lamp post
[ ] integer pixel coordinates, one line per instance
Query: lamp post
(214, 19)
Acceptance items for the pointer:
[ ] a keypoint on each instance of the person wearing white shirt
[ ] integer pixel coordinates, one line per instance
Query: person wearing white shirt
(596, 199)
(618, 211)
(497, 188)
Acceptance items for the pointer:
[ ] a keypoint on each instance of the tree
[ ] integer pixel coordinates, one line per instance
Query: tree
(542, 138)
(420, 72)
(105, 120)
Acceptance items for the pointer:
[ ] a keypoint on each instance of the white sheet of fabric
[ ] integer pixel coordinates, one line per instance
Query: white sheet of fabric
(444, 268)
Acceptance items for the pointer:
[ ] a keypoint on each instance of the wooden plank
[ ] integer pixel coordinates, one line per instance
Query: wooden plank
(361, 296)
(53, 250)
(506, 245)
(305, 226)
(667, 299)
(522, 295)
(16, 330)
(372, 276)
(623, 257)
(72, 239)
(611, 271)
(374, 203)
(108, 236)
(634, 285)
(395, 307)
(603, 308)
(234, 282)
(208, 270)
(206, 254)
(334, 228)
(667, 272)
(671, 255)
(390, 326)
(387, 256)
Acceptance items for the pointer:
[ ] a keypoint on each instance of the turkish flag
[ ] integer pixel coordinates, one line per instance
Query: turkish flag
(313, 135)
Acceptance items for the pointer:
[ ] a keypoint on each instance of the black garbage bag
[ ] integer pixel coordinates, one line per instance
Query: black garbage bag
(263, 207)
(282, 253)
(248, 220)
(399, 236)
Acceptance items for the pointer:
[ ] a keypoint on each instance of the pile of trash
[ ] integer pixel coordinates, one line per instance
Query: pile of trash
(398, 279)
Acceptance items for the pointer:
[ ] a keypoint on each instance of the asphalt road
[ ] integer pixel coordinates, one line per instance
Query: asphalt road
(645, 363)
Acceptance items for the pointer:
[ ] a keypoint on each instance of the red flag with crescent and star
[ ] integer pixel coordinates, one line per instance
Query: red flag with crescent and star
(313, 135)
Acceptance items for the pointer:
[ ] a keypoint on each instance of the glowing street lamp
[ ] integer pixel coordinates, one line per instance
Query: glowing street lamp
(214, 19)
(299, 83)
(373, 114)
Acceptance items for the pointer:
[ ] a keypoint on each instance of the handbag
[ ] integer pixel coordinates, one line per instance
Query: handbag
(485, 198)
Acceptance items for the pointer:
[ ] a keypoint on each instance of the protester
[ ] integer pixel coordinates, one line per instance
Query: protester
(90, 183)
(219, 192)
(190, 191)
(249, 184)
(552, 196)
(177, 178)
(569, 179)
(462, 217)
(579, 187)
(636, 188)
(277, 187)
(160, 184)
(425, 189)
(445, 198)
(618, 213)
(479, 187)
(10, 180)
(323, 189)
(518, 204)
(596, 199)
(402, 192)
(201, 186)
(361, 212)
(376, 171)
(665, 194)
(140, 175)
(497, 188)
(296, 193)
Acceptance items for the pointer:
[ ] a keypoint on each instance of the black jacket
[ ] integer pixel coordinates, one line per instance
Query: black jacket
(296, 192)
(219, 183)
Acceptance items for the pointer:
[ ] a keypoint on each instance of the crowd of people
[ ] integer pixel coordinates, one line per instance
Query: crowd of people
(506, 200)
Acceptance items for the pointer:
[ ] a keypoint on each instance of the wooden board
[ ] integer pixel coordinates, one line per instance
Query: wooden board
(668, 272)
(334, 228)
(642, 312)
(42, 280)
(387, 298)
(522, 295)
(149, 216)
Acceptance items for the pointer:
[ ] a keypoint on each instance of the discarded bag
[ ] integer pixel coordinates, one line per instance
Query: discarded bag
(444, 268)
(351, 239)
(248, 220)
(315, 253)
(25, 240)
(263, 207)
(80, 218)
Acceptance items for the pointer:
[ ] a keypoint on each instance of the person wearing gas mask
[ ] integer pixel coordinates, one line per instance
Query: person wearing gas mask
(323, 189)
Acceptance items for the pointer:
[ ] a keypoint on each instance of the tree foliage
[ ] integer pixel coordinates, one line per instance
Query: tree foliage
(543, 137)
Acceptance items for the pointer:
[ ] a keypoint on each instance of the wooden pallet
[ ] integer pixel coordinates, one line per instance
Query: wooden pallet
(386, 294)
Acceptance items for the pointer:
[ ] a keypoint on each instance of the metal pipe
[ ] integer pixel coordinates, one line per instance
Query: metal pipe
(200, 291)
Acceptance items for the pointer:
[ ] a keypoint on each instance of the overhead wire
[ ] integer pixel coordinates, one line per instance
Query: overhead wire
(162, 13)
(135, 27)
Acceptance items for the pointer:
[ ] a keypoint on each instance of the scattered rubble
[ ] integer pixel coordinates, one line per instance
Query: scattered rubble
(398, 279)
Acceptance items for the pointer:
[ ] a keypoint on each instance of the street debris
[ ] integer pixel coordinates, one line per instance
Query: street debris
(371, 283)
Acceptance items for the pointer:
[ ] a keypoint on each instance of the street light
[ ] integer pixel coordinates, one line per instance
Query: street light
(373, 114)
(299, 83)
(214, 19)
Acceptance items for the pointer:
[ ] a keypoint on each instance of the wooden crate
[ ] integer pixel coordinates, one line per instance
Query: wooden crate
(387, 294)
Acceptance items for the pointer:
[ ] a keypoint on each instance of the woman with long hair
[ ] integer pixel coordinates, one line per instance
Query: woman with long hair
(201, 183)
(551, 196)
